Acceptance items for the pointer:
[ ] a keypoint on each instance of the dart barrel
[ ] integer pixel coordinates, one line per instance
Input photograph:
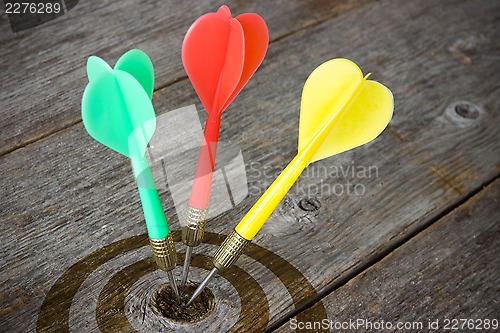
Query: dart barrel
(164, 252)
(229, 251)
(192, 234)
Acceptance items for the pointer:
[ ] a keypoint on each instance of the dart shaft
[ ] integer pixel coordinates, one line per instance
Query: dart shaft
(200, 191)
(156, 222)
(193, 231)
(253, 221)
(159, 234)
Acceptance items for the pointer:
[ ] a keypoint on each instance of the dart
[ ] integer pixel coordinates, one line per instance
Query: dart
(117, 112)
(340, 110)
(220, 54)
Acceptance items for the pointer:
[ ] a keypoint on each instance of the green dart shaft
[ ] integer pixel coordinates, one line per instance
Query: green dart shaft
(156, 222)
(159, 234)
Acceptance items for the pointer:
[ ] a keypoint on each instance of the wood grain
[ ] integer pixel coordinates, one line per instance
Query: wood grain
(43, 69)
(449, 271)
(66, 196)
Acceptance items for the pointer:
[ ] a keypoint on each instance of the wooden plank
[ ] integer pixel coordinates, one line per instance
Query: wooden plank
(66, 196)
(43, 69)
(447, 273)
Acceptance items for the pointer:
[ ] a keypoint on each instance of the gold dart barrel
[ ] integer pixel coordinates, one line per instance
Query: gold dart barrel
(229, 251)
(164, 252)
(192, 234)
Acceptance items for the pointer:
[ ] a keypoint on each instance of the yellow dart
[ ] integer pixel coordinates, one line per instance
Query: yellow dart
(340, 110)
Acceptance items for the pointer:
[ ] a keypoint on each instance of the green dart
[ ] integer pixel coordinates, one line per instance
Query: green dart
(117, 111)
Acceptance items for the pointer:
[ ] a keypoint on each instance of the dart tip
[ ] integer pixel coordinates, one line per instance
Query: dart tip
(185, 268)
(202, 286)
(173, 285)
(191, 300)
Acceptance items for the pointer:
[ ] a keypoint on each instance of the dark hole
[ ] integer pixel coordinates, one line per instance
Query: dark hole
(467, 111)
(164, 304)
(309, 204)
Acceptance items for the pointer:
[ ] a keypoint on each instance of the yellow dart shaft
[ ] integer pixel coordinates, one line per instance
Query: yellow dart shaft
(253, 221)
(257, 216)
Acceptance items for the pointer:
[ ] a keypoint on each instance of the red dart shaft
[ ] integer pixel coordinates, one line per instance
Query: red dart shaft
(200, 192)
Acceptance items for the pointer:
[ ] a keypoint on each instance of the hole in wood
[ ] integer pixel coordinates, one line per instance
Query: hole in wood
(164, 304)
(466, 110)
(309, 204)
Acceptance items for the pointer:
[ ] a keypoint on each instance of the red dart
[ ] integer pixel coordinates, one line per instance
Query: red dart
(220, 54)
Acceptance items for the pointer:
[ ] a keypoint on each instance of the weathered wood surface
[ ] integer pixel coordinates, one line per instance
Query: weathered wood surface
(75, 196)
(44, 97)
(449, 271)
